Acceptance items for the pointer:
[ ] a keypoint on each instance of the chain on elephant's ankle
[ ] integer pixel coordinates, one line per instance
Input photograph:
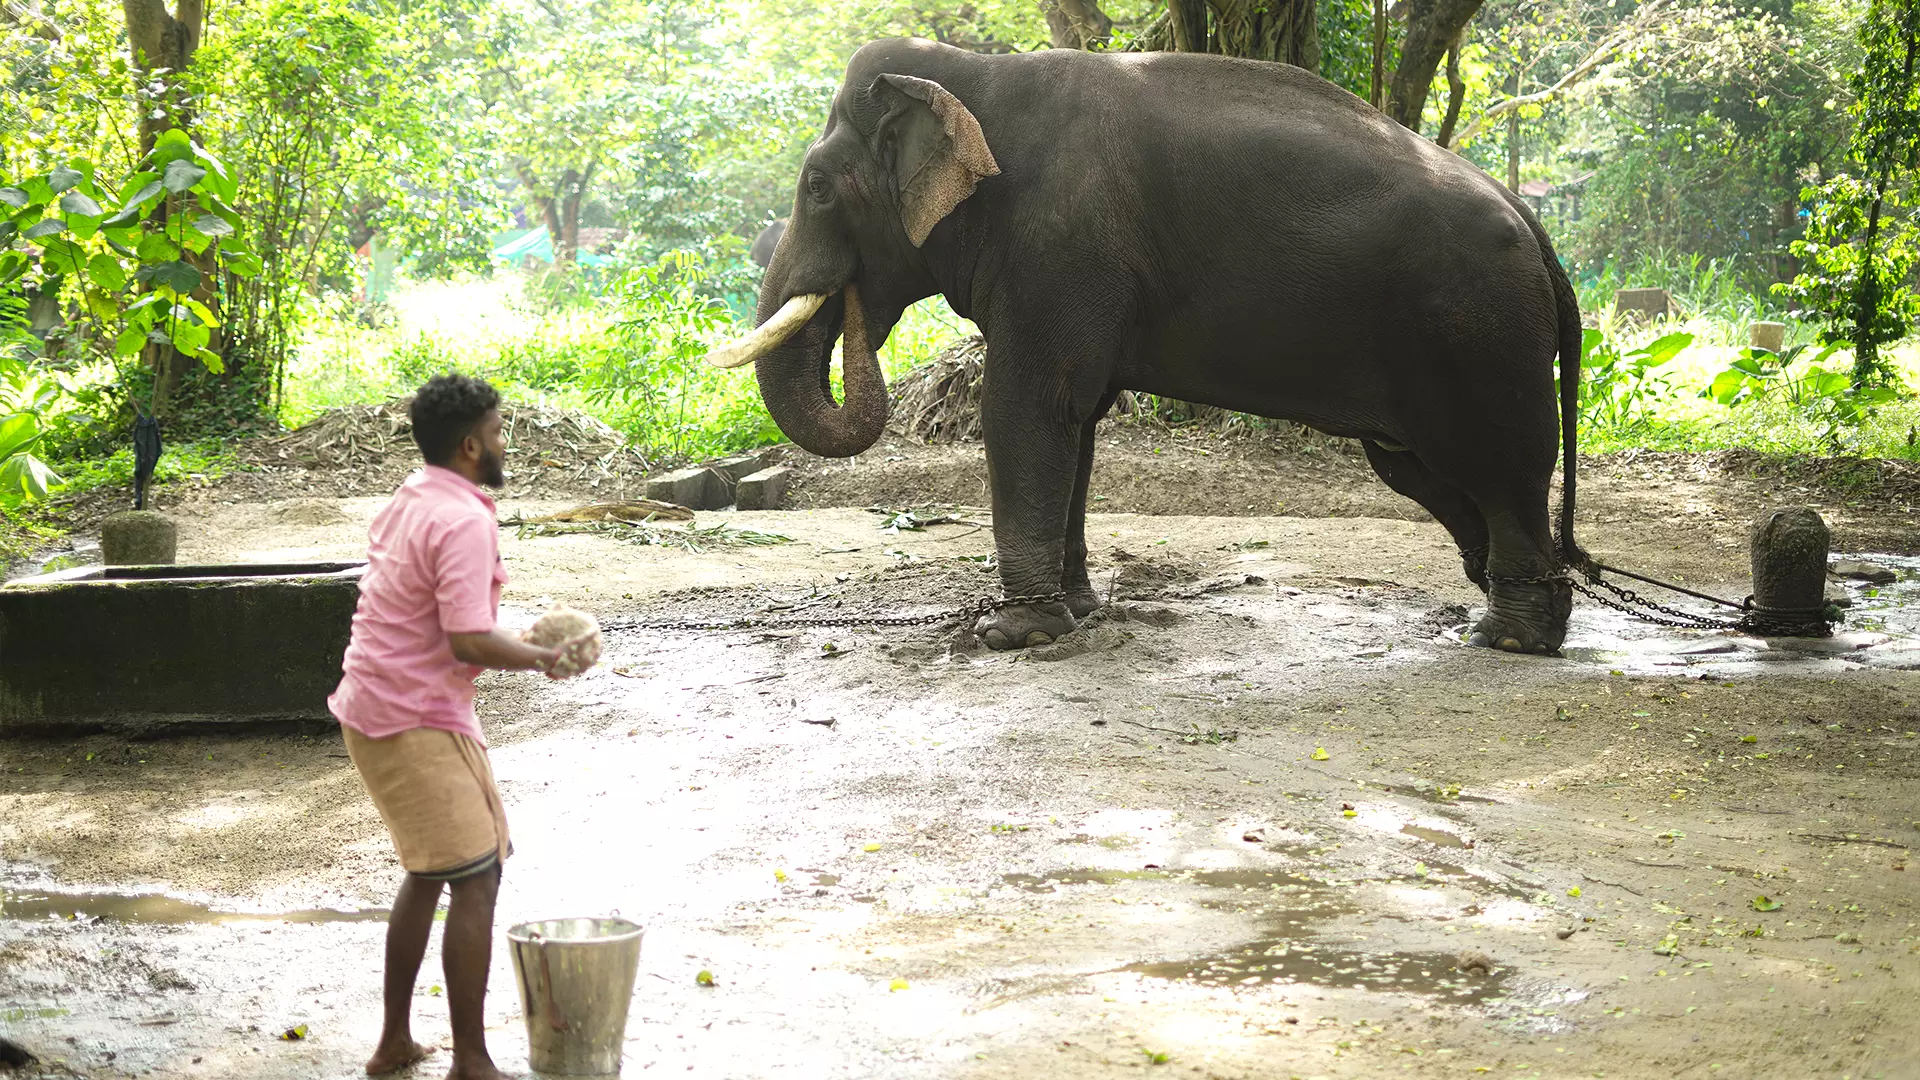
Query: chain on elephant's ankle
(989, 604)
(1537, 579)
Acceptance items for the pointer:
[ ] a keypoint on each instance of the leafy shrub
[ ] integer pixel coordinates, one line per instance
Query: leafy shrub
(1799, 382)
(1619, 389)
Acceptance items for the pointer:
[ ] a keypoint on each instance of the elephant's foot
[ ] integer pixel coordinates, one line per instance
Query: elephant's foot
(1525, 617)
(1024, 625)
(1082, 600)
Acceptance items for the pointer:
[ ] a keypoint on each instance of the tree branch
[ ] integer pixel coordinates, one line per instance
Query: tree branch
(1600, 55)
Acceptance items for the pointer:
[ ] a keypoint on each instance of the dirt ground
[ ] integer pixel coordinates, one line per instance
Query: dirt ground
(1264, 817)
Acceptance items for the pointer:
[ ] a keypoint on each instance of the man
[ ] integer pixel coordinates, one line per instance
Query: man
(424, 628)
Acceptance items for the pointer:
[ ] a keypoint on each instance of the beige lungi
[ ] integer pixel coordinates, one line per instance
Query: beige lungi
(435, 791)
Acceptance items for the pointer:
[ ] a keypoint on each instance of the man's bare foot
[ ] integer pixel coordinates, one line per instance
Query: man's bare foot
(391, 1059)
(477, 1070)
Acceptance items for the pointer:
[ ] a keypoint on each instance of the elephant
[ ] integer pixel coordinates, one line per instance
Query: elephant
(1231, 232)
(769, 238)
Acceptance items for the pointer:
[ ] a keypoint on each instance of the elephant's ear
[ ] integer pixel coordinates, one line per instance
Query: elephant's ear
(939, 153)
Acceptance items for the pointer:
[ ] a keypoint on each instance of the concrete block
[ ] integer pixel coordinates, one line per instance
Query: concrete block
(696, 489)
(1646, 304)
(1771, 336)
(138, 538)
(740, 466)
(763, 490)
(135, 648)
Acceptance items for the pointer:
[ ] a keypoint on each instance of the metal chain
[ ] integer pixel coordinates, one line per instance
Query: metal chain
(760, 622)
(1629, 598)
(1756, 620)
(1753, 620)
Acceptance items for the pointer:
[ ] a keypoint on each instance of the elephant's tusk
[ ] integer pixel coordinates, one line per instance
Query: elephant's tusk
(770, 335)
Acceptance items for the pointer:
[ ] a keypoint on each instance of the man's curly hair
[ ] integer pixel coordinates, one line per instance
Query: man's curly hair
(444, 412)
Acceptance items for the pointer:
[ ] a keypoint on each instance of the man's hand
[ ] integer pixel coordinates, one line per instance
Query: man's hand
(575, 656)
(501, 651)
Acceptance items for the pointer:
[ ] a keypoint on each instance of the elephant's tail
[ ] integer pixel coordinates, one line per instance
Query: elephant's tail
(1567, 314)
(1567, 306)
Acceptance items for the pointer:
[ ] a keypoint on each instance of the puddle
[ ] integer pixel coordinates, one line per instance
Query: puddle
(1046, 883)
(1434, 836)
(16, 903)
(1881, 629)
(1286, 960)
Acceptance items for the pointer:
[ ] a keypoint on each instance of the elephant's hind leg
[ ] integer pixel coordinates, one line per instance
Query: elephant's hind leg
(1529, 598)
(1081, 597)
(1407, 474)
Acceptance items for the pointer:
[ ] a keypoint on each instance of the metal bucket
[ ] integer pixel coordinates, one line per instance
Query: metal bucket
(576, 981)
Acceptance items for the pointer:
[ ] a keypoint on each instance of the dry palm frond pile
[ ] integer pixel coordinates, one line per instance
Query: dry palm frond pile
(368, 449)
(939, 401)
(645, 533)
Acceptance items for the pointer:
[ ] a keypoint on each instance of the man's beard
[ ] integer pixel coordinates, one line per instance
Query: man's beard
(493, 469)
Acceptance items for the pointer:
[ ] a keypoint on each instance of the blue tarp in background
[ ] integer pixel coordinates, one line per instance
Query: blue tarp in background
(515, 246)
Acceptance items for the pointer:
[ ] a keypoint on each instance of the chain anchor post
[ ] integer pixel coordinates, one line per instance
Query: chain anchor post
(1789, 548)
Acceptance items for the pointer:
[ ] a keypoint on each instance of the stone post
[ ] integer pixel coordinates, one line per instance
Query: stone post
(1771, 336)
(1790, 561)
(138, 538)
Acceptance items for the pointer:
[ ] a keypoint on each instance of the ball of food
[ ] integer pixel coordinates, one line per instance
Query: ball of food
(560, 626)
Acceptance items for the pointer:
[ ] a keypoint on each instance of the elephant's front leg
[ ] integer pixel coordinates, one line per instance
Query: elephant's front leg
(1034, 449)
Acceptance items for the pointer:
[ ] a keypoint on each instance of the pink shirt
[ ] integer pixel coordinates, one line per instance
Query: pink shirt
(433, 569)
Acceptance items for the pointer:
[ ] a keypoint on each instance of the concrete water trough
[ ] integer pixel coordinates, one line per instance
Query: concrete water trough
(144, 647)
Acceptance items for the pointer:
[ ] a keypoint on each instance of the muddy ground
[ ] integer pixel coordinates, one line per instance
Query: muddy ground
(1264, 818)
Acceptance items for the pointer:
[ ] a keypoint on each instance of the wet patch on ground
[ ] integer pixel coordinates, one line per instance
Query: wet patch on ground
(908, 856)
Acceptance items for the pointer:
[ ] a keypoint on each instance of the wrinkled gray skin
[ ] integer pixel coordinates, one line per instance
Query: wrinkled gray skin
(762, 251)
(1241, 234)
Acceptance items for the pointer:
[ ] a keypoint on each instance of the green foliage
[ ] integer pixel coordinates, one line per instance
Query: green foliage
(657, 386)
(131, 250)
(1860, 248)
(1830, 399)
(202, 459)
(22, 475)
(1618, 388)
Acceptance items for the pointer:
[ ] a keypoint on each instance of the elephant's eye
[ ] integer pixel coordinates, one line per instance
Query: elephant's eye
(818, 187)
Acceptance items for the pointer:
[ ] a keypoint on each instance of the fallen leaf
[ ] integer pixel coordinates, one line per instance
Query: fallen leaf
(1574, 892)
(779, 875)
(1764, 903)
(705, 978)
(1320, 754)
(871, 848)
(896, 985)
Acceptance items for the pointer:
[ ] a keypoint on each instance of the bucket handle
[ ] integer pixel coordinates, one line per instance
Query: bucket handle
(554, 1019)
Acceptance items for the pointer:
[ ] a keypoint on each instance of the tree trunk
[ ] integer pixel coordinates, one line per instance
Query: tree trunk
(567, 241)
(1513, 138)
(1456, 93)
(1377, 92)
(574, 184)
(1060, 31)
(1077, 24)
(163, 42)
(1432, 28)
(1188, 19)
(1279, 31)
(1867, 367)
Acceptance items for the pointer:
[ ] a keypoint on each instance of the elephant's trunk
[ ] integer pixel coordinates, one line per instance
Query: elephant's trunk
(794, 380)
